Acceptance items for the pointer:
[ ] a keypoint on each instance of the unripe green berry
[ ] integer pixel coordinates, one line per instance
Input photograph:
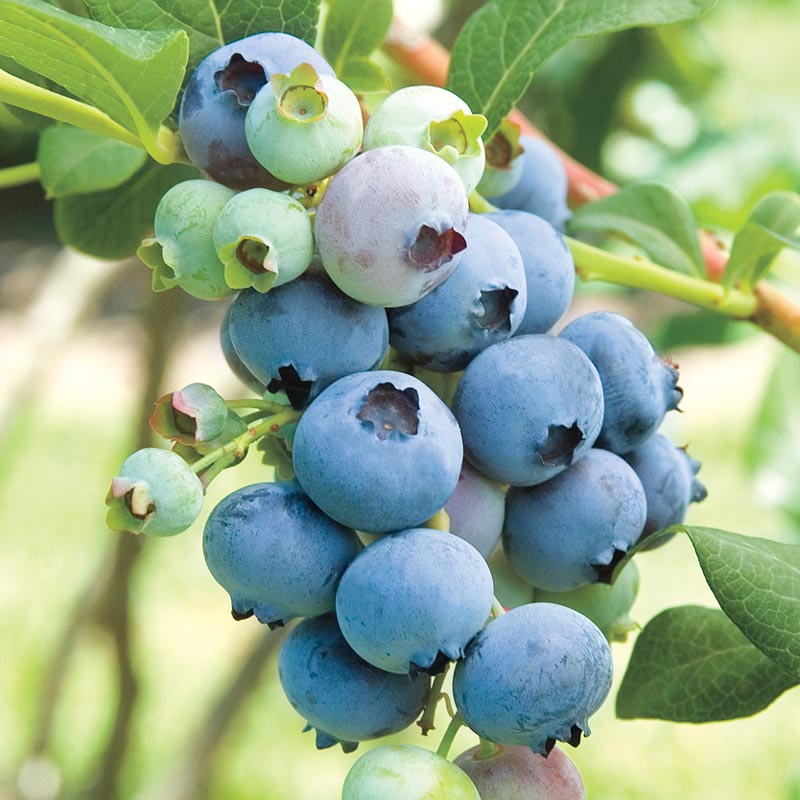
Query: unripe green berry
(156, 493)
(264, 238)
(182, 251)
(435, 120)
(503, 161)
(196, 413)
(304, 126)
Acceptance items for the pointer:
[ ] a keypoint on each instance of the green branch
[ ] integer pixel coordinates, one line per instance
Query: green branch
(594, 264)
(166, 147)
(19, 175)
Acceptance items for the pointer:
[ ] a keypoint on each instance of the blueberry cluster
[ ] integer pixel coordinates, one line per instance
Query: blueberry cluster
(417, 410)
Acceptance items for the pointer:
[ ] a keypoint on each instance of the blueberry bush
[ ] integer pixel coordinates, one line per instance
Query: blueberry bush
(445, 487)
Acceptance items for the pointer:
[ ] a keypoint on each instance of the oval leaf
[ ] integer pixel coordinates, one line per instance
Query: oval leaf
(364, 75)
(504, 42)
(354, 28)
(652, 216)
(75, 161)
(692, 664)
(112, 224)
(133, 76)
(773, 225)
(210, 23)
(757, 584)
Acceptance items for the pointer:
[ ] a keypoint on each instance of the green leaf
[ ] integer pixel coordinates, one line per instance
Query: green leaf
(363, 75)
(773, 225)
(112, 224)
(692, 664)
(757, 584)
(133, 76)
(504, 42)
(772, 452)
(75, 161)
(652, 216)
(211, 23)
(354, 28)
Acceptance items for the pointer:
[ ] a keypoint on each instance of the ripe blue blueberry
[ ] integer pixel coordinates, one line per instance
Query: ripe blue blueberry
(528, 408)
(638, 387)
(542, 185)
(182, 253)
(276, 553)
(378, 451)
(435, 120)
(264, 239)
(346, 699)
(216, 99)
(573, 529)
(232, 359)
(481, 303)
(302, 336)
(549, 268)
(305, 126)
(156, 493)
(533, 676)
(412, 600)
(669, 478)
(476, 509)
(391, 225)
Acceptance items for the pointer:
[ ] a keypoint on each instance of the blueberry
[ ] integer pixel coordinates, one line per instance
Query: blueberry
(503, 163)
(196, 413)
(549, 268)
(528, 407)
(668, 476)
(300, 337)
(517, 773)
(218, 95)
(412, 600)
(232, 359)
(542, 186)
(276, 553)
(346, 699)
(305, 127)
(481, 303)
(476, 509)
(156, 493)
(533, 676)
(638, 387)
(391, 224)
(509, 588)
(264, 239)
(435, 120)
(605, 605)
(182, 252)
(378, 451)
(573, 529)
(402, 772)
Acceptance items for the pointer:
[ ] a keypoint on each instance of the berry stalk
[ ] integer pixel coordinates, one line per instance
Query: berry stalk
(19, 175)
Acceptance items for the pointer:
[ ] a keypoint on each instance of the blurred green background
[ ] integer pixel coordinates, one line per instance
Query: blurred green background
(122, 673)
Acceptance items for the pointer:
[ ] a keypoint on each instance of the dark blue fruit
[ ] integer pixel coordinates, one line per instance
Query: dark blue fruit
(346, 699)
(638, 387)
(216, 99)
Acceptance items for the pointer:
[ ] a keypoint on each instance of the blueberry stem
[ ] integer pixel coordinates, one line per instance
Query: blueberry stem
(19, 175)
(592, 263)
(447, 740)
(497, 608)
(478, 204)
(426, 721)
(165, 146)
(487, 749)
(257, 402)
(216, 468)
(440, 521)
(271, 424)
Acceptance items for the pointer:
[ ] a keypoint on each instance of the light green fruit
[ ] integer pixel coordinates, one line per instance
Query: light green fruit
(509, 588)
(304, 126)
(182, 251)
(264, 239)
(402, 772)
(503, 161)
(435, 120)
(605, 605)
(156, 493)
